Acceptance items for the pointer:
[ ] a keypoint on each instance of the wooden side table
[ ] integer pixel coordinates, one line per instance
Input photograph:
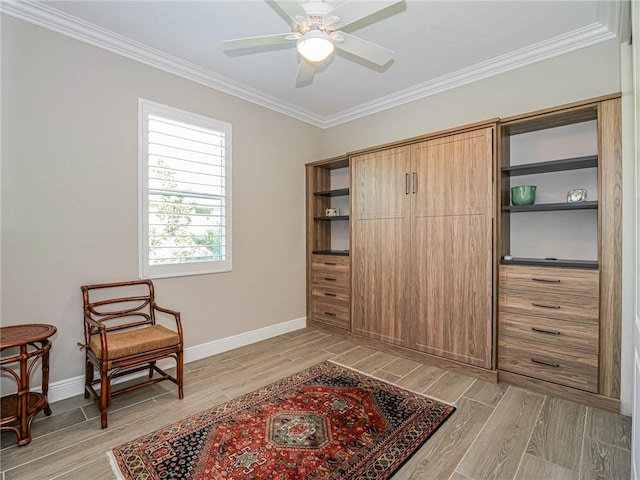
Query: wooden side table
(18, 410)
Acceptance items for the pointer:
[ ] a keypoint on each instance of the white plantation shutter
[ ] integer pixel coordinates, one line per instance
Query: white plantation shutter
(185, 186)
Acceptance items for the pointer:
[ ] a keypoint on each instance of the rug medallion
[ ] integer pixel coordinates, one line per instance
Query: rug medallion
(325, 423)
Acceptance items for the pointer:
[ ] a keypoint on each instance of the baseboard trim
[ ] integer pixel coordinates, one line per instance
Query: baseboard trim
(73, 386)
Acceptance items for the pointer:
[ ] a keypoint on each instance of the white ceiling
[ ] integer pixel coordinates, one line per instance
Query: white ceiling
(438, 45)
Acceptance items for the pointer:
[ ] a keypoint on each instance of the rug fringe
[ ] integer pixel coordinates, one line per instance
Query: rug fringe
(114, 466)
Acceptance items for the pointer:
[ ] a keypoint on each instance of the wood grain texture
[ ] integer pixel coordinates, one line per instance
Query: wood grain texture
(609, 427)
(603, 462)
(452, 247)
(610, 248)
(560, 391)
(380, 249)
(64, 449)
(560, 305)
(557, 436)
(559, 365)
(487, 393)
(570, 281)
(440, 362)
(449, 387)
(443, 451)
(550, 331)
(533, 467)
(507, 434)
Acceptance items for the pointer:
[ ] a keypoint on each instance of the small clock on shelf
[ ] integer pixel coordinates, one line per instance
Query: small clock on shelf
(577, 195)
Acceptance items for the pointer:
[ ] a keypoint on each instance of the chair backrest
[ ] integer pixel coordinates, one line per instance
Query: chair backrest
(119, 305)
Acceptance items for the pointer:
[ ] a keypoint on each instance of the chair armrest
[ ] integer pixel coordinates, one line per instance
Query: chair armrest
(93, 323)
(176, 316)
(102, 331)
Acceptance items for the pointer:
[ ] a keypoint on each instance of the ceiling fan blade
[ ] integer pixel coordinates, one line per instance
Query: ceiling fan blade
(306, 72)
(261, 41)
(352, 10)
(291, 8)
(364, 49)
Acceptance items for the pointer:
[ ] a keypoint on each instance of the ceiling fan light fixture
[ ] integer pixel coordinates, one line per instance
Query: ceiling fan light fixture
(315, 46)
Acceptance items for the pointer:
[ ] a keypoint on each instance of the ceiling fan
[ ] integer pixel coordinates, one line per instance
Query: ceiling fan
(315, 29)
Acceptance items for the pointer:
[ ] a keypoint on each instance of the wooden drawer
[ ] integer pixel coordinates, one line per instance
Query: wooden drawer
(336, 314)
(563, 366)
(552, 332)
(337, 280)
(332, 295)
(563, 306)
(330, 263)
(550, 280)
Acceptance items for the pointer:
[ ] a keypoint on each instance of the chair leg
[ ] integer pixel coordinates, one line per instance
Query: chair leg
(151, 365)
(105, 397)
(179, 374)
(88, 377)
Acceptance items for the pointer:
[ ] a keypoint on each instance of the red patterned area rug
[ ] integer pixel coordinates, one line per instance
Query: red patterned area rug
(327, 422)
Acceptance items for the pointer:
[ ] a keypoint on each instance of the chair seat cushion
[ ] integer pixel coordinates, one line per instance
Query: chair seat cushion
(133, 342)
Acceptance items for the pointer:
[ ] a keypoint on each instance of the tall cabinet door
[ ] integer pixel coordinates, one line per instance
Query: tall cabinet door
(452, 247)
(379, 253)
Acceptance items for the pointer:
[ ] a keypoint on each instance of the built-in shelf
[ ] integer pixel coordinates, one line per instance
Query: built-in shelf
(576, 163)
(339, 192)
(332, 219)
(541, 207)
(344, 253)
(551, 262)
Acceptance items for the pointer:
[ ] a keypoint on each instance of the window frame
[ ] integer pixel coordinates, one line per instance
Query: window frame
(145, 270)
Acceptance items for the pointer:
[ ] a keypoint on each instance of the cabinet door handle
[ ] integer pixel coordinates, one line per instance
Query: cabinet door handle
(540, 362)
(549, 332)
(330, 314)
(330, 263)
(330, 294)
(413, 182)
(406, 184)
(545, 280)
(544, 305)
(329, 279)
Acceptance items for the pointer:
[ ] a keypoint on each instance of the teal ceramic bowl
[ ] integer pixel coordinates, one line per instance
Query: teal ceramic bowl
(523, 195)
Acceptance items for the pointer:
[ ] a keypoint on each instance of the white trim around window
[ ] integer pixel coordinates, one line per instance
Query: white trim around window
(184, 192)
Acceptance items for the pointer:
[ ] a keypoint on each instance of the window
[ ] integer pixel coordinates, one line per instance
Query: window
(184, 193)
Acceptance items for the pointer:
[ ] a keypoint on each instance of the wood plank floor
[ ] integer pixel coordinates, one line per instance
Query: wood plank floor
(497, 432)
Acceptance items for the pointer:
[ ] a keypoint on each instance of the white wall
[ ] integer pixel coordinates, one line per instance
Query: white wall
(69, 193)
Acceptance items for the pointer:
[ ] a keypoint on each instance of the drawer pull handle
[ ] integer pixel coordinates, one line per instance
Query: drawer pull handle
(330, 314)
(544, 305)
(545, 280)
(329, 279)
(334, 264)
(330, 294)
(550, 332)
(540, 362)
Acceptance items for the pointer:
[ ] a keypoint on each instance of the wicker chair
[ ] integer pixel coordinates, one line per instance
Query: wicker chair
(122, 337)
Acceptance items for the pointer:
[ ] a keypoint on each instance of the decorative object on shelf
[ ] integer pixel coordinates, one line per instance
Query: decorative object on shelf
(332, 212)
(523, 195)
(577, 195)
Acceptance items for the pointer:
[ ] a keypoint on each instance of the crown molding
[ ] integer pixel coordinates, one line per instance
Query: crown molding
(577, 39)
(60, 22)
(616, 16)
(52, 19)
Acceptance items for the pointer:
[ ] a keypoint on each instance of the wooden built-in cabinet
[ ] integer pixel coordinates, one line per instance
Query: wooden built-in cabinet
(422, 246)
(559, 288)
(429, 258)
(328, 264)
